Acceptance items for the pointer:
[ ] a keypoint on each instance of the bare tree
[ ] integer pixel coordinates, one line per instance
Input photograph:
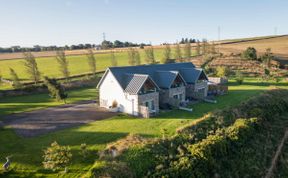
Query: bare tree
(166, 54)
(178, 54)
(31, 67)
(91, 61)
(63, 64)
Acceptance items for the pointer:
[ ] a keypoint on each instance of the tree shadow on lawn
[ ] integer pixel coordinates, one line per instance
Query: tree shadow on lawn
(29, 151)
(12, 109)
(260, 83)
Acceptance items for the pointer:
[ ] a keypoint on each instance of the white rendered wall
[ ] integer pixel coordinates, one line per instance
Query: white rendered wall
(110, 91)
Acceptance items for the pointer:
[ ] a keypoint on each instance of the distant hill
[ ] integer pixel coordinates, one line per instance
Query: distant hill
(278, 45)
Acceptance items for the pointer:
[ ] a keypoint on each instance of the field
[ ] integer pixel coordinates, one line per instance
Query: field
(279, 46)
(48, 66)
(27, 152)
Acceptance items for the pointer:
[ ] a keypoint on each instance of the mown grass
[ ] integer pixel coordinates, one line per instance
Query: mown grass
(9, 105)
(48, 66)
(27, 152)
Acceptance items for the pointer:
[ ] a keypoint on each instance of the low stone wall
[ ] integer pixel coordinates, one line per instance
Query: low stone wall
(218, 80)
(217, 89)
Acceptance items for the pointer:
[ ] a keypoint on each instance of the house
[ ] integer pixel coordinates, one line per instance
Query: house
(140, 90)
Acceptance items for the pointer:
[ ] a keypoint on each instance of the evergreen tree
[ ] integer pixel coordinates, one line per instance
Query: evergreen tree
(187, 51)
(166, 54)
(31, 67)
(178, 54)
(16, 82)
(113, 59)
(63, 64)
(91, 61)
(250, 53)
(56, 90)
(149, 52)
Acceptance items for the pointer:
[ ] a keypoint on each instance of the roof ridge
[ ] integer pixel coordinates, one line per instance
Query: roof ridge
(149, 65)
(136, 74)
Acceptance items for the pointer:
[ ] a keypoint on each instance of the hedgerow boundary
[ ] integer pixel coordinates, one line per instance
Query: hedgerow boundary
(195, 148)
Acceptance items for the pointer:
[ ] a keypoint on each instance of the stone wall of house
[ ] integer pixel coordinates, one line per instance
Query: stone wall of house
(178, 90)
(148, 97)
(195, 91)
(166, 95)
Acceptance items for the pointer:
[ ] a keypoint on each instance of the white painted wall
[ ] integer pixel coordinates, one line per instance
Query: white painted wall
(111, 90)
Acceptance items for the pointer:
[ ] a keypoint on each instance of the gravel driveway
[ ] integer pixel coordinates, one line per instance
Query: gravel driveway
(34, 123)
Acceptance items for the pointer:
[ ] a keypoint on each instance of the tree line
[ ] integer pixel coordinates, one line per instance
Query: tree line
(104, 45)
(119, 44)
(182, 53)
(38, 48)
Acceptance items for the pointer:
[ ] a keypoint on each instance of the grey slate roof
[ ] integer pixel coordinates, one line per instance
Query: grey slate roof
(191, 75)
(135, 82)
(120, 72)
(131, 78)
(164, 79)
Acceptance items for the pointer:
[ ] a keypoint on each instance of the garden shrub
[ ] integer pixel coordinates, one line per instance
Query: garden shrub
(56, 156)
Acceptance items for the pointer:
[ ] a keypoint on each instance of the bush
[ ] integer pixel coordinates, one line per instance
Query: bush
(202, 157)
(217, 134)
(222, 71)
(56, 156)
(239, 78)
(83, 152)
(250, 53)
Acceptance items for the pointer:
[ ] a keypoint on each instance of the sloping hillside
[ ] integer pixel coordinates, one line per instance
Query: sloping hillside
(278, 45)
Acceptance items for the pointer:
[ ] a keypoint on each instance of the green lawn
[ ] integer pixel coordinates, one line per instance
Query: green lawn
(48, 66)
(18, 104)
(27, 152)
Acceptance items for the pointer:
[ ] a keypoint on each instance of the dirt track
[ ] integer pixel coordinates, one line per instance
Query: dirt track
(34, 123)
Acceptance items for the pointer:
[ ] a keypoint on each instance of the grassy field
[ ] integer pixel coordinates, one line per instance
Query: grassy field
(78, 64)
(27, 152)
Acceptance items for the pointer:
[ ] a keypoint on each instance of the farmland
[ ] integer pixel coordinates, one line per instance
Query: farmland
(48, 66)
(278, 45)
(27, 151)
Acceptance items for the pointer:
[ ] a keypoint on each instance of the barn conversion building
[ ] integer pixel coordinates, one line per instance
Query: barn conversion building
(140, 90)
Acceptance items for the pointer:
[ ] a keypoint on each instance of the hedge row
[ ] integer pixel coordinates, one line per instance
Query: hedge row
(201, 159)
(154, 159)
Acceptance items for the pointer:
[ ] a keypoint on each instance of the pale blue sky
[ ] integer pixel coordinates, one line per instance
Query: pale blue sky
(61, 22)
